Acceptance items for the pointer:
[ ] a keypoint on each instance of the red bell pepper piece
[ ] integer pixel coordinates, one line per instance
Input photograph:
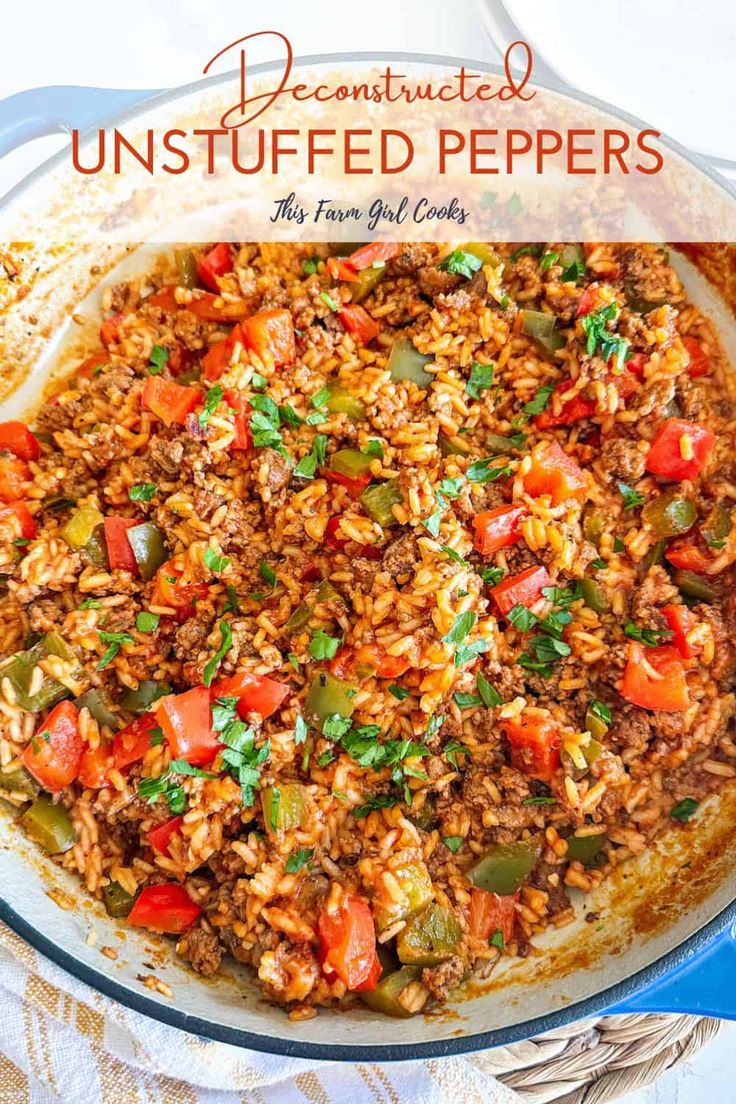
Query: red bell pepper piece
(55, 751)
(165, 299)
(331, 538)
(490, 913)
(132, 742)
(169, 593)
(110, 330)
(699, 362)
(523, 589)
(367, 255)
(341, 270)
(164, 908)
(679, 450)
(216, 263)
(588, 302)
(14, 474)
(94, 767)
(355, 485)
(180, 360)
(359, 323)
(555, 473)
(636, 364)
(18, 521)
(385, 665)
(682, 621)
(535, 746)
(347, 945)
(169, 401)
(160, 836)
(17, 438)
(89, 367)
(687, 556)
(579, 407)
(119, 551)
(217, 358)
(243, 439)
(186, 721)
(654, 678)
(271, 333)
(497, 528)
(255, 693)
(311, 573)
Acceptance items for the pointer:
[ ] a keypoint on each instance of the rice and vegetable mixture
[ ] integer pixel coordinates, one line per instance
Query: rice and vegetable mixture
(359, 607)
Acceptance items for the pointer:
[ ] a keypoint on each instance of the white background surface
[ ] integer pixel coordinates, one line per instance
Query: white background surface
(671, 62)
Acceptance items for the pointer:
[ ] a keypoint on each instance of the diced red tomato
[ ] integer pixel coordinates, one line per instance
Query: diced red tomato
(186, 721)
(341, 270)
(367, 255)
(169, 592)
(385, 665)
(169, 401)
(687, 556)
(699, 362)
(331, 538)
(164, 908)
(180, 360)
(17, 438)
(497, 528)
(270, 333)
(588, 302)
(160, 836)
(88, 368)
(110, 330)
(579, 407)
(18, 521)
(214, 309)
(523, 589)
(311, 573)
(679, 450)
(490, 913)
(215, 263)
(355, 485)
(217, 358)
(132, 742)
(359, 323)
(347, 945)
(535, 745)
(94, 767)
(654, 678)
(55, 750)
(165, 299)
(682, 621)
(119, 551)
(243, 439)
(636, 364)
(555, 473)
(255, 693)
(14, 474)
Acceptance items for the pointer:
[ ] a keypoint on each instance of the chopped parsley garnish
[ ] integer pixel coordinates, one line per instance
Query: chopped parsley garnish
(158, 359)
(649, 637)
(601, 710)
(224, 712)
(539, 801)
(599, 564)
(684, 810)
(293, 661)
(90, 603)
(618, 545)
(319, 398)
(398, 692)
(480, 471)
(335, 726)
(488, 694)
(548, 260)
(453, 843)
(522, 618)
(214, 562)
(242, 759)
(452, 750)
(434, 521)
(376, 801)
(300, 858)
(631, 498)
(461, 263)
(374, 448)
(481, 378)
(496, 940)
(466, 701)
(226, 634)
(232, 605)
(533, 249)
(453, 555)
(322, 646)
(142, 492)
(540, 401)
(310, 266)
(451, 488)
(166, 785)
(573, 272)
(265, 422)
(562, 596)
(114, 640)
(492, 575)
(545, 650)
(599, 339)
(21, 542)
(300, 730)
(147, 622)
(329, 301)
(315, 458)
(434, 724)
(267, 573)
(212, 400)
(289, 415)
(460, 628)
(258, 382)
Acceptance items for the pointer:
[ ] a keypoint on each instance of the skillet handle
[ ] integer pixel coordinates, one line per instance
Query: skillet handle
(37, 112)
(702, 985)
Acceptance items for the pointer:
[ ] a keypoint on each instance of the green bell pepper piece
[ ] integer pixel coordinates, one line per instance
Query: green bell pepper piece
(503, 869)
(594, 595)
(186, 268)
(283, 807)
(329, 695)
(637, 302)
(500, 446)
(453, 446)
(430, 936)
(299, 618)
(100, 707)
(146, 693)
(48, 825)
(584, 849)
(670, 514)
(149, 548)
(595, 725)
(19, 780)
(407, 363)
(416, 886)
(81, 525)
(378, 500)
(386, 997)
(694, 586)
(118, 902)
(19, 669)
(716, 526)
(350, 462)
(483, 251)
(368, 279)
(654, 556)
(593, 527)
(426, 817)
(96, 549)
(541, 326)
(342, 402)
